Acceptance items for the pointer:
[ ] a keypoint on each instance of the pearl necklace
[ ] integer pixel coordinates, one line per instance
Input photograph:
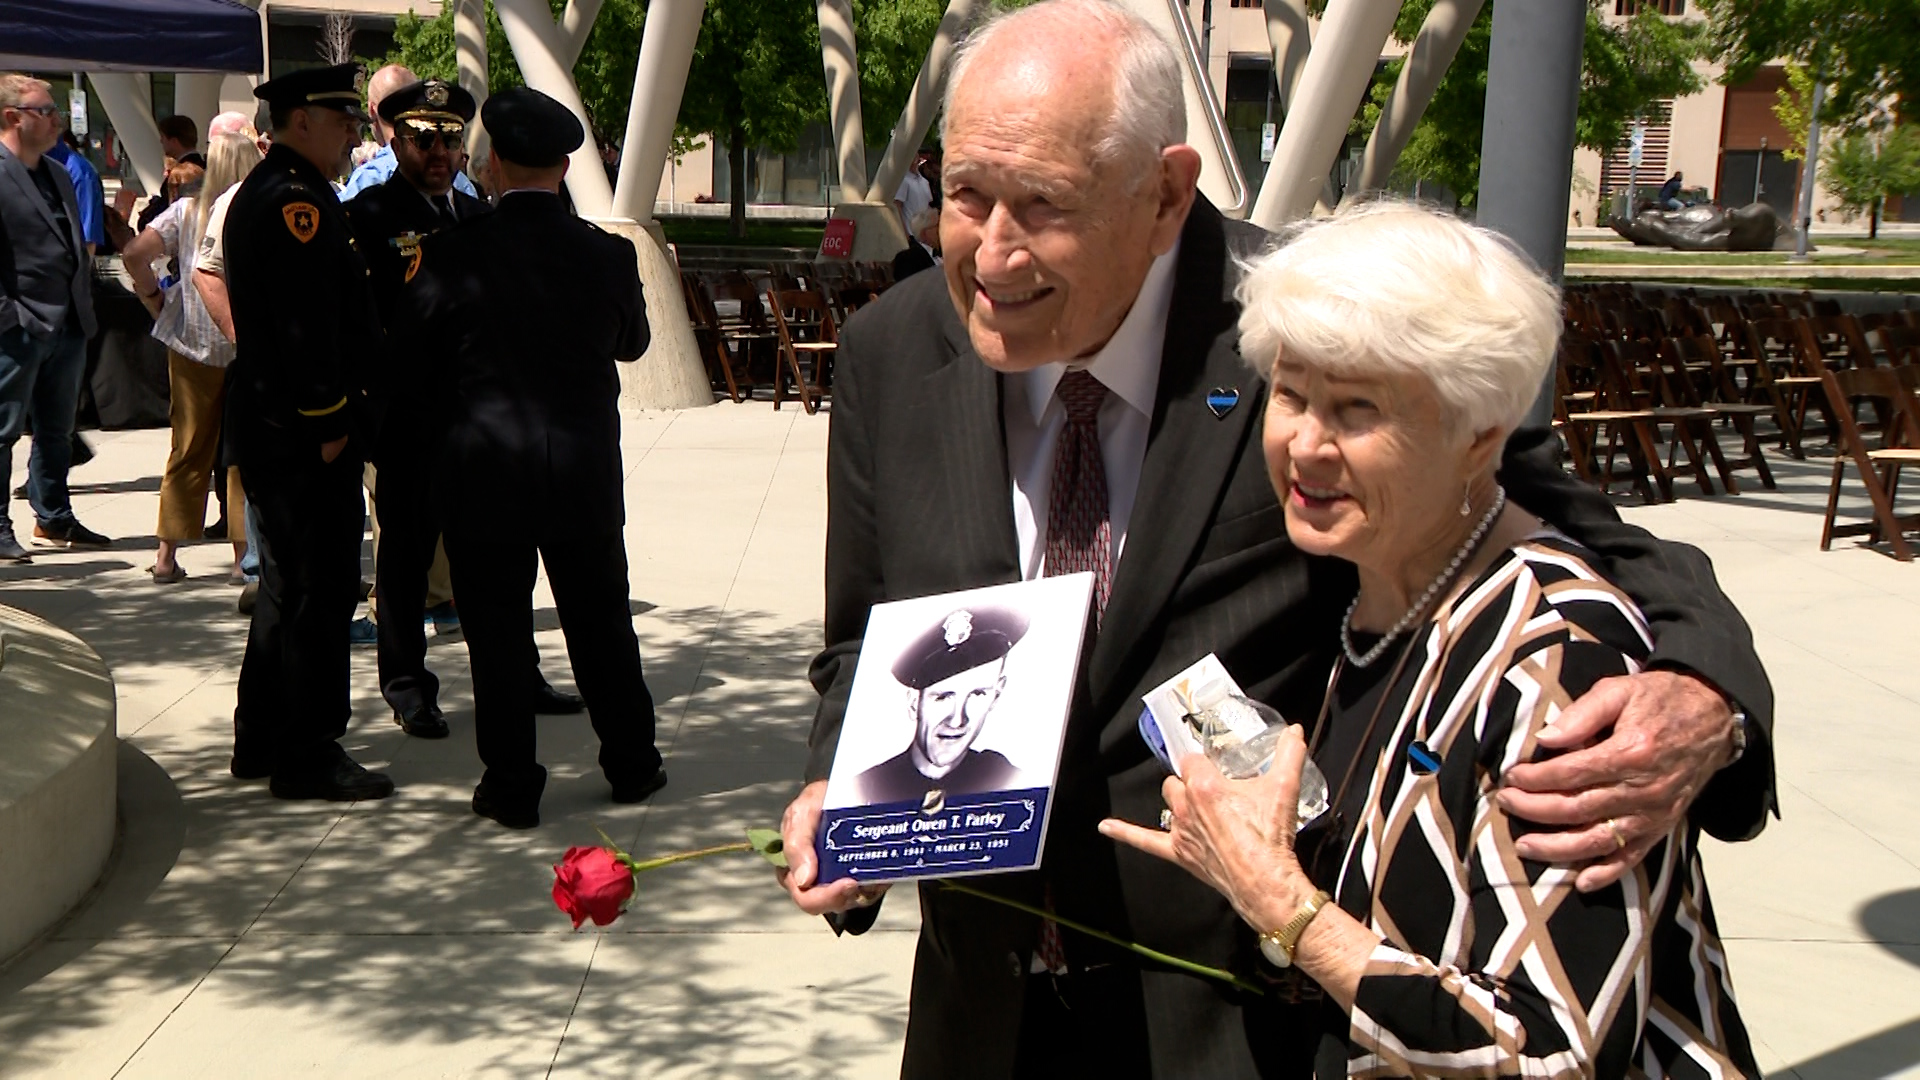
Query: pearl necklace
(1419, 607)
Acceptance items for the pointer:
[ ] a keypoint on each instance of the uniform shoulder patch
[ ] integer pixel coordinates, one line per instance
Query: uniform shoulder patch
(303, 220)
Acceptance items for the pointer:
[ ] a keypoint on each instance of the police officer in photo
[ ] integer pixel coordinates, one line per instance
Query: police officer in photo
(517, 319)
(302, 309)
(956, 672)
(429, 120)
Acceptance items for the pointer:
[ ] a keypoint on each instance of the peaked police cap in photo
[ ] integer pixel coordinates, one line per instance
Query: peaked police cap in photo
(531, 129)
(435, 101)
(336, 87)
(964, 639)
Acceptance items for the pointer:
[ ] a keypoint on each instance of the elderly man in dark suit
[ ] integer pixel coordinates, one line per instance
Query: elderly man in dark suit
(517, 319)
(46, 313)
(1072, 400)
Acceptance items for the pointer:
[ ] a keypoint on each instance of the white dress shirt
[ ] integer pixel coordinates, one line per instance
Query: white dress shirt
(1129, 367)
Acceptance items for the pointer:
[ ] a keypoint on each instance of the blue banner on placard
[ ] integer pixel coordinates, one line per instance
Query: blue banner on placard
(978, 833)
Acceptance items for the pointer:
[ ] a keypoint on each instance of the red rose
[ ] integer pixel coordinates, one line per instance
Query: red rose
(590, 883)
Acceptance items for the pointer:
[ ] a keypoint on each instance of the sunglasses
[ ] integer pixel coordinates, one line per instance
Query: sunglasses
(43, 110)
(425, 141)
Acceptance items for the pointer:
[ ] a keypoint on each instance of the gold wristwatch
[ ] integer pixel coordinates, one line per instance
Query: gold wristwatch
(1278, 945)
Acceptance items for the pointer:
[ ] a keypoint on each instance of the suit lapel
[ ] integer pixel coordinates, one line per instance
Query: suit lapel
(961, 402)
(1190, 451)
(16, 171)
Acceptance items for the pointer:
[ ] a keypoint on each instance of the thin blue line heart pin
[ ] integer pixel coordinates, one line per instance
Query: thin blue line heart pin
(1222, 399)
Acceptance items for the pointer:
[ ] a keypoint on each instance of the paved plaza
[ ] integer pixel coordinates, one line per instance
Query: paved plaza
(236, 935)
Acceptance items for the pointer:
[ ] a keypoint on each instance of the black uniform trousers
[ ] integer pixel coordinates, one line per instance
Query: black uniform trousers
(493, 575)
(294, 695)
(409, 531)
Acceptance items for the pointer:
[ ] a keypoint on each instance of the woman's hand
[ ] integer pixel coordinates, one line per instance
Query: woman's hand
(1235, 835)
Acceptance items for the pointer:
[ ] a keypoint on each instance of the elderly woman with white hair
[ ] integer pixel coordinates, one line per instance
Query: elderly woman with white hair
(1403, 347)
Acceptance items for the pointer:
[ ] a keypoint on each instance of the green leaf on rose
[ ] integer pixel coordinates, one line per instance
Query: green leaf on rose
(767, 843)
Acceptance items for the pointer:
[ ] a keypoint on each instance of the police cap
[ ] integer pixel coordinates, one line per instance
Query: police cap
(963, 640)
(336, 87)
(435, 101)
(531, 129)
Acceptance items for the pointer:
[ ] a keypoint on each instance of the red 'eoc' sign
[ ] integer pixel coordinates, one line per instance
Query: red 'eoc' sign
(837, 241)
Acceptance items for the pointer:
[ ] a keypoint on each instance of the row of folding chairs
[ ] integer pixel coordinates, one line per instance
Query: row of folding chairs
(1627, 397)
(780, 331)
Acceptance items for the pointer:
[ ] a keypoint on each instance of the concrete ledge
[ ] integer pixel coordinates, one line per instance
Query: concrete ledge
(57, 775)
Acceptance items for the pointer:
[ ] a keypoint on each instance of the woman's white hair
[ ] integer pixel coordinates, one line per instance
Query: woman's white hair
(1149, 105)
(1387, 287)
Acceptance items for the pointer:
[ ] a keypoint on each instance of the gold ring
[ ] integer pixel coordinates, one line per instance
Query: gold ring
(1619, 838)
(1166, 820)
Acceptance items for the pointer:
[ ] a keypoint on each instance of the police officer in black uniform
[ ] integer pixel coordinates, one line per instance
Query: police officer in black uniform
(429, 120)
(518, 318)
(302, 309)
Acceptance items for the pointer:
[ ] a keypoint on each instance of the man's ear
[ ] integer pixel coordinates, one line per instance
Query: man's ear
(1179, 183)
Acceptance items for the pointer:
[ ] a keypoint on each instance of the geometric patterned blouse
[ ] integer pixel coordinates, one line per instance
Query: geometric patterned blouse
(1490, 965)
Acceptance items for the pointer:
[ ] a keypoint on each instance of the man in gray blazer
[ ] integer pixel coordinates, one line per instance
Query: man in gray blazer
(46, 313)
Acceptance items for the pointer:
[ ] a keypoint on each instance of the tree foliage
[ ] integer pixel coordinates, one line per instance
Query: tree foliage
(1862, 168)
(1625, 69)
(1865, 50)
(1793, 107)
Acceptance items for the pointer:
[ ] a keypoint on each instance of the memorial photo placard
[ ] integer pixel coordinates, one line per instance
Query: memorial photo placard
(951, 742)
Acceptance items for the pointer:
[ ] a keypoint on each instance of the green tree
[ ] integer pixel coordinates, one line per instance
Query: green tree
(1626, 68)
(756, 80)
(1862, 168)
(1865, 50)
(1793, 107)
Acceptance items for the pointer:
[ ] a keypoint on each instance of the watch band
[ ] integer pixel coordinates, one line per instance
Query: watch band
(1740, 723)
(1278, 945)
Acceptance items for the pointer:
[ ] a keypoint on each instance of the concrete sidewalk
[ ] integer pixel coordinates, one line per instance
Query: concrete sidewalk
(237, 935)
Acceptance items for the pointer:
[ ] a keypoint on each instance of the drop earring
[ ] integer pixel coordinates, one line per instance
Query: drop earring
(1466, 501)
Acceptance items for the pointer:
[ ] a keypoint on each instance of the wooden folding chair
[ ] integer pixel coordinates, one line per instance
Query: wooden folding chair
(1879, 467)
(1693, 363)
(808, 341)
(1591, 406)
(1636, 365)
(711, 340)
(1900, 343)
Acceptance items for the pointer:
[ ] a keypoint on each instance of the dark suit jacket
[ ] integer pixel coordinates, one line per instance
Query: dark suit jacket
(389, 221)
(919, 503)
(517, 318)
(912, 259)
(33, 293)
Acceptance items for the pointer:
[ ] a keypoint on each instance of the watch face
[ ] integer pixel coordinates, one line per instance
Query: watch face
(1275, 955)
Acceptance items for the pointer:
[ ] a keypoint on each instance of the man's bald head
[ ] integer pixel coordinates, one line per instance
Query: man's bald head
(1066, 175)
(1113, 62)
(384, 82)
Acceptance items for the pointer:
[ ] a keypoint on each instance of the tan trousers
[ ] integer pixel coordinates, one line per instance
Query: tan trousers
(197, 398)
(439, 578)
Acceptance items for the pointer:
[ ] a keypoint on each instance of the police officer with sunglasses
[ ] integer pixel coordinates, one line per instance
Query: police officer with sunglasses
(429, 120)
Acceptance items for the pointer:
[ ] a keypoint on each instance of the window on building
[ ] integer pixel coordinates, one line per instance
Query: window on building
(1246, 3)
(1635, 7)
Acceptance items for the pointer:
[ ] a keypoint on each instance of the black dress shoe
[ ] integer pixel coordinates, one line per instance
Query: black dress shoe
(514, 813)
(250, 768)
(634, 791)
(425, 722)
(338, 778)
(550, 702)
(216, 531)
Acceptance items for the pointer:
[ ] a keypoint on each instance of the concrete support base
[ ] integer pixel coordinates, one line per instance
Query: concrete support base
(670, 375)
(877, 233)
(57, 779)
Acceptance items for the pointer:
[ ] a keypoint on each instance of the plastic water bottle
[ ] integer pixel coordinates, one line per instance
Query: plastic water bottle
(1240, 735)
